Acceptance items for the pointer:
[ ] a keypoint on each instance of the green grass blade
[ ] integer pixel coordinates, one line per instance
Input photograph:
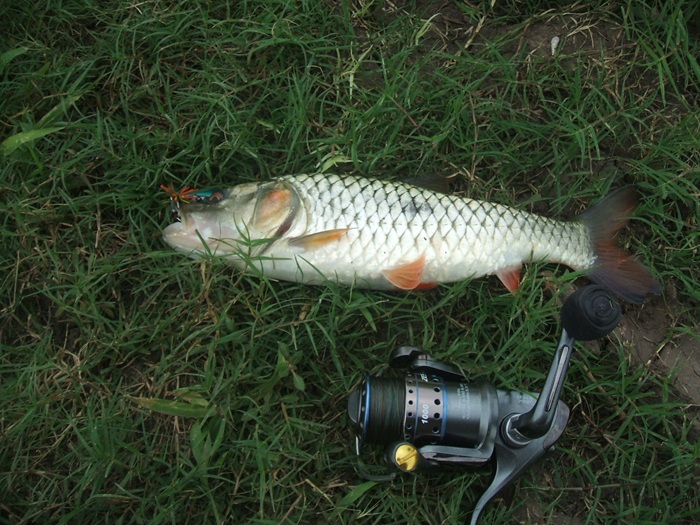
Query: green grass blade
(173, 408)
(10, 144)
(10, 55)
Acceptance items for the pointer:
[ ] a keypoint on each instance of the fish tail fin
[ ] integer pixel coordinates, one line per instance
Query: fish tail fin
(615, 269)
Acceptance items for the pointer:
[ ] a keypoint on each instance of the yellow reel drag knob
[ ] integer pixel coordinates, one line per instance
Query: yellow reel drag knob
(405, 457)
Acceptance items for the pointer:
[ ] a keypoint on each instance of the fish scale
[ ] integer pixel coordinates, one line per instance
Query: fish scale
(392, 235)
(468, 229)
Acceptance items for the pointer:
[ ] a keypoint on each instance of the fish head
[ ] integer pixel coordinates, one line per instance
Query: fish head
(242, 219)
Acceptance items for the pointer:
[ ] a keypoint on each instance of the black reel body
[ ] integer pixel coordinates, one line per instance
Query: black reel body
(433, 416)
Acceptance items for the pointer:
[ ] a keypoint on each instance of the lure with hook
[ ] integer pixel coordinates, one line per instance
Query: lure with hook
(189, 195)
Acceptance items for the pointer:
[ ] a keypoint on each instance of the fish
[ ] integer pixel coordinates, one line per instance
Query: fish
(386, 235)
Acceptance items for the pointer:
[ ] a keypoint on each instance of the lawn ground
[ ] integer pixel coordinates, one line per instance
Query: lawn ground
(139, 386)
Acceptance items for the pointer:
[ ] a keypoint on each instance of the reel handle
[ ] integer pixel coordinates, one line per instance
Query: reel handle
(589, 313)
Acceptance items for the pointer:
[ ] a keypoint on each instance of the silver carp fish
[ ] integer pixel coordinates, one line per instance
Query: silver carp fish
(392, 235)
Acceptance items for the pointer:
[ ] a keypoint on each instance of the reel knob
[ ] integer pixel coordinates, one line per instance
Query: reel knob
(590, 313)
(404, 456)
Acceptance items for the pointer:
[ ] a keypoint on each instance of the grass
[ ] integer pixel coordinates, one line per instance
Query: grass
(141, 387)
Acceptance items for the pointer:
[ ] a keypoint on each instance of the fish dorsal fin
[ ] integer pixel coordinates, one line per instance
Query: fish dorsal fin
(276, 207)
(406, 276)
(431, 182)
(510, 277)
(318, 240)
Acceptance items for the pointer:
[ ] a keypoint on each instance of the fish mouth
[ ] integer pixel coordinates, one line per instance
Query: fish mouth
(184, 238)
(198, 238)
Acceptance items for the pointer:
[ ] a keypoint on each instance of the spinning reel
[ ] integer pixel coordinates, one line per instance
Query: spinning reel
(434, 416)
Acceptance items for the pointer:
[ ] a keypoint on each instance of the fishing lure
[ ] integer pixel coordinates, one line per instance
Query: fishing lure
(189, 195)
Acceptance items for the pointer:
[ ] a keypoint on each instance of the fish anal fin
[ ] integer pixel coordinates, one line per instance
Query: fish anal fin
(313, 241)
(510, 277)
(407, 276)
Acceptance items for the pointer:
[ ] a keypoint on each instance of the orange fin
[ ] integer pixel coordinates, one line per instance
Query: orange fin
(615, 269)
(407, 276)
(510, 277)
(318, 240)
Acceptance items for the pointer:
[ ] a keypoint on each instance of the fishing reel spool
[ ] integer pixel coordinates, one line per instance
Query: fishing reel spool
(434, 416)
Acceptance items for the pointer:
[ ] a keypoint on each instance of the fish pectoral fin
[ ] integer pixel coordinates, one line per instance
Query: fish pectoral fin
(318, 240)
(406, 276)
(510, 277)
